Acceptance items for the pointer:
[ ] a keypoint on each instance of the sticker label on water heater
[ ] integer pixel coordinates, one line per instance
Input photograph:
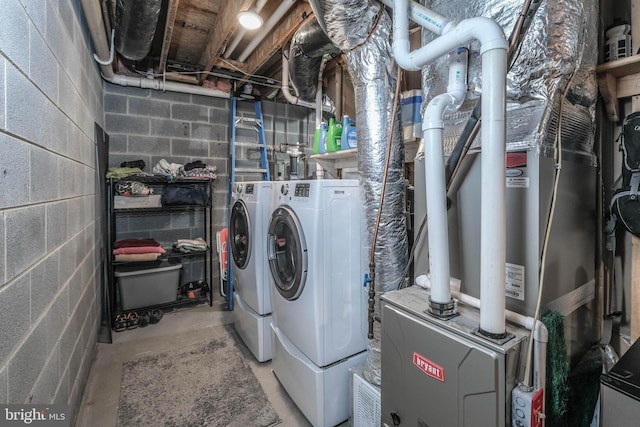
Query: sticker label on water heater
(514, 281)
(517, 182)
(428, 367)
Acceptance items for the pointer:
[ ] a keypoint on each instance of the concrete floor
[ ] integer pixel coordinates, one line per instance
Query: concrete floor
(99, 406)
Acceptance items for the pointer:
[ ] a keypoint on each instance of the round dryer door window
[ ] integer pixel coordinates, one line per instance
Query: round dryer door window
(239, 232)
(287, 253)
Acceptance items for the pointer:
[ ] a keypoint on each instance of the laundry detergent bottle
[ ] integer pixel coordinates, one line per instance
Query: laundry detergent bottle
(320, 139)
(349, 139)
(334, 136)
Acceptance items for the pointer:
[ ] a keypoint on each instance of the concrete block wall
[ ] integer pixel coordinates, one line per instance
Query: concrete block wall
(51, 95)
(149, 125)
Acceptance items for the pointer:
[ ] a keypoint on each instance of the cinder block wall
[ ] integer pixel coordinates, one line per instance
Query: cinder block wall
(150, 125)
(51, 97)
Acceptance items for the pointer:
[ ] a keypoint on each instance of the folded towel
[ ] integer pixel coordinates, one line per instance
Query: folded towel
(139, 250)
(198, 241)
(137, 257)
(129, 243)
(122, 172)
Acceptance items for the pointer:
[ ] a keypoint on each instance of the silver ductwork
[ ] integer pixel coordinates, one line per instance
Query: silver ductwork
(136, 22)
(561, 40)
(308, 46)
(362, 30)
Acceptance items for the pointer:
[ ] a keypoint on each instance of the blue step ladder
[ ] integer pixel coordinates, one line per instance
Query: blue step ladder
(255, 123)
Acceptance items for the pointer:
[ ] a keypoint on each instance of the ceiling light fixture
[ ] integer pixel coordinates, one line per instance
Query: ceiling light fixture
(250, 19)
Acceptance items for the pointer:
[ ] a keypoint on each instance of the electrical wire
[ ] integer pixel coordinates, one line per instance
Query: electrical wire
(547, 232)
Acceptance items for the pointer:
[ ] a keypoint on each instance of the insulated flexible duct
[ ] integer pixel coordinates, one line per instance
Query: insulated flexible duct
(136, 22)
(362, 30)
(308, 46)
(561, 38)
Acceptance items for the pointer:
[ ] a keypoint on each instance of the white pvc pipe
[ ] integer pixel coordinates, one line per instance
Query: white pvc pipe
(540, 340)
(266, 28)
(232, 46)
(438, 236)
(161, 85)
(424, 17)
(93, 16)
(494, 69)
(296, 100)
(435, 179)
(493, 182)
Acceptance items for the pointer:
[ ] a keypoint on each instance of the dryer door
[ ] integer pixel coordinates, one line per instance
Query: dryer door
(287, 253)
(239, 232)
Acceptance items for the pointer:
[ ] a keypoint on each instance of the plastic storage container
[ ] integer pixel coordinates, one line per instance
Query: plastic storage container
(143, 286)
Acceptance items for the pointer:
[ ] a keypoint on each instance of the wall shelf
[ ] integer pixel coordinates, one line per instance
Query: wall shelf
(342, 154)
(618, 79)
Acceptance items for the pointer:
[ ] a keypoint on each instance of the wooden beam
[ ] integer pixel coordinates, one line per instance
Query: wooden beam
(168, 33)
(219, 36)
(279, 36)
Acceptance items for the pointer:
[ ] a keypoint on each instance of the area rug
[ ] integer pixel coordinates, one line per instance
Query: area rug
(206, 384)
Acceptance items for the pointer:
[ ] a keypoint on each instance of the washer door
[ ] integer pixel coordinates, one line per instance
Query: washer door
(239, 231)
(287, 253)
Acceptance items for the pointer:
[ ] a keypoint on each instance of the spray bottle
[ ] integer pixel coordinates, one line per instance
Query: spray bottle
(320, 139)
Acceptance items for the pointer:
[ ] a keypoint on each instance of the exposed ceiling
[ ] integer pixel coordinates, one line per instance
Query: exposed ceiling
(200, 42)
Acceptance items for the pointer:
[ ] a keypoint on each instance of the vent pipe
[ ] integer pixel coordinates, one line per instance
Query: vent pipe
(494, 48)
(136, 22)
(308, 46)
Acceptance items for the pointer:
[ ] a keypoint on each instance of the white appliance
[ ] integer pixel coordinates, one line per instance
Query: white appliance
(319, 325)
(250, 211)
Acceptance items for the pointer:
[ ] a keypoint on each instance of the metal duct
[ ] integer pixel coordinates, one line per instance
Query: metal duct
(562, 39)
(136, 22)
(362, 30)
(308, 45)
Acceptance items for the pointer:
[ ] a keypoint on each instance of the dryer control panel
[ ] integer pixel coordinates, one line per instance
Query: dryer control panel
(302, 190)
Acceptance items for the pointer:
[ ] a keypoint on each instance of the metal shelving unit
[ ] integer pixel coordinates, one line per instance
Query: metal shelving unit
(203, 214)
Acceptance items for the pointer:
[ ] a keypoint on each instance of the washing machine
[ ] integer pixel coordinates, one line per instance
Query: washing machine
(250, 211)
(316, 260)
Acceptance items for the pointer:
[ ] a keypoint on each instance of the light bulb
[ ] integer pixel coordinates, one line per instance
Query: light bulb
(250, 19)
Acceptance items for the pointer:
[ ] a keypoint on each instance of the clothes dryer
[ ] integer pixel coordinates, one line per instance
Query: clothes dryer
(250, 210)
(315, 254)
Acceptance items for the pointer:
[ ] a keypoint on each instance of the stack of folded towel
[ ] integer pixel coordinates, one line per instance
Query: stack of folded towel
(190, 245)
(137, 250)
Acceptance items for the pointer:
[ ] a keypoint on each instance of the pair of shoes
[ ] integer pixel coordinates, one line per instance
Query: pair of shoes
(132, 320)
(155, 315)
(144, 319)
(120, 323)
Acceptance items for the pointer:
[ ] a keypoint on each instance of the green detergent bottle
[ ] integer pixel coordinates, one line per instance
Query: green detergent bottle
(334, 136)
